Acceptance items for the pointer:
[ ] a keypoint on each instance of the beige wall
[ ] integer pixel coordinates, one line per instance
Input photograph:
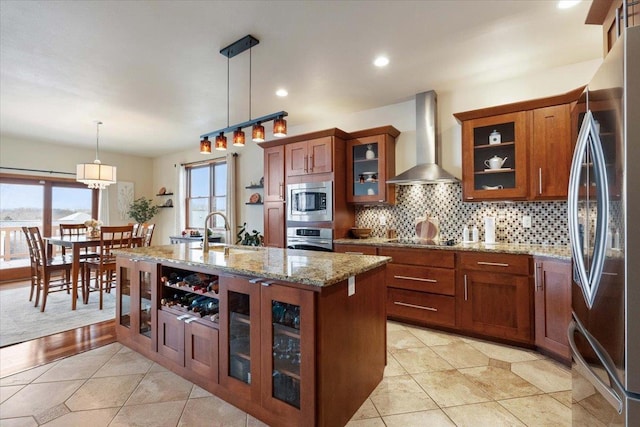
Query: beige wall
(19, 153)
(151, 174)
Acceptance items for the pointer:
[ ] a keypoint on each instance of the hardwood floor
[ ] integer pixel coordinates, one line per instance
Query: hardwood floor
(19, 357)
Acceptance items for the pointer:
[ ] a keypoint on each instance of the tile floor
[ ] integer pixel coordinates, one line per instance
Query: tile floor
(432, 379)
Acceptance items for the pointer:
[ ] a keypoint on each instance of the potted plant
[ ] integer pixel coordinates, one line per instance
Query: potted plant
(142, 210)
(246, 239)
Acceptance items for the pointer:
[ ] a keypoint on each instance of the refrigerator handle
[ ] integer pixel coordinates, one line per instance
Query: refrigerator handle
(605, 390)
(588, 138)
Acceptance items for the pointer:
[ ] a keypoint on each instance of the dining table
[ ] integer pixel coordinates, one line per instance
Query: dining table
(76, 243)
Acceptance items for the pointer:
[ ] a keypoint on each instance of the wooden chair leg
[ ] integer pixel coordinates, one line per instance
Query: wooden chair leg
(45, 290)
(38, 289)
(101, 288)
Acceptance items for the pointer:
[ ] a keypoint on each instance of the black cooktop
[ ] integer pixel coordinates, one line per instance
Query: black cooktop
(425, 242)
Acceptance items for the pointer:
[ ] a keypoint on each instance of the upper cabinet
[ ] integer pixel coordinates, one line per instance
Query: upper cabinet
(610, 14)
(494, 157)
(519, 151)
(309, 157)
(370, 162)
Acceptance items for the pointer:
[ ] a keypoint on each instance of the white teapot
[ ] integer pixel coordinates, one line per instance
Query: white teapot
(495, 162)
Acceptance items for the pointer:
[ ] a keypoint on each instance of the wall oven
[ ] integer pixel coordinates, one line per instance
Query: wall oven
(310, 201)
(311, 239)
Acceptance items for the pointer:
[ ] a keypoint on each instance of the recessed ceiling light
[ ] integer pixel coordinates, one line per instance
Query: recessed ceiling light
(566, 4)
(282, 92)
(381, 61)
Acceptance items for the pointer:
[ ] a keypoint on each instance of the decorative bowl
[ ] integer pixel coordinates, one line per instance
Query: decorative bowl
(360, 233)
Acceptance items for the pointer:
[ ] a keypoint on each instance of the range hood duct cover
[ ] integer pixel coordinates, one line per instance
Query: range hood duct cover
(427, 170)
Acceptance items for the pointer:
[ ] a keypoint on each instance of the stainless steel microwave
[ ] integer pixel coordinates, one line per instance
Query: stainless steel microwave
(310, 201)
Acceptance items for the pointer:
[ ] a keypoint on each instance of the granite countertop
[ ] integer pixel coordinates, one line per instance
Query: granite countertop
(319, 269)
(558, 252)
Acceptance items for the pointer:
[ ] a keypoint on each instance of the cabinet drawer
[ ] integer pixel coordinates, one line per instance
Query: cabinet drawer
(499, 263)
(356, 249)
(433, 258)
(421, 306)
(424, 279)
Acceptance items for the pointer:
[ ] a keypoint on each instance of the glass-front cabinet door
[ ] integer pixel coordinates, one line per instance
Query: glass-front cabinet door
(494, 157)
(288, 379)
(123, 301)
(370, 162)
(240, 335)
(135, 314)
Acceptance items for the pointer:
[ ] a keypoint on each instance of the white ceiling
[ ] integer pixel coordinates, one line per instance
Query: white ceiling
(152, 72)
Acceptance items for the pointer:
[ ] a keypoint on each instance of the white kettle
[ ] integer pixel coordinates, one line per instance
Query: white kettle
(495, 162)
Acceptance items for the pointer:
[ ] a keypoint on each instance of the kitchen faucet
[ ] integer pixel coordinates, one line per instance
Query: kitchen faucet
(205, 239)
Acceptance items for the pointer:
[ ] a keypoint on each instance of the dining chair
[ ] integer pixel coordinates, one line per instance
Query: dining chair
(75, 230)
(33, 259)
(111, 237)
(46, 267)
(147, 234)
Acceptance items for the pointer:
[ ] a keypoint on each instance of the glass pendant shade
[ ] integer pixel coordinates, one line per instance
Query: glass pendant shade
(238, 138)
(205, 146)
(279, 127)
(258, 133)
(221, 142)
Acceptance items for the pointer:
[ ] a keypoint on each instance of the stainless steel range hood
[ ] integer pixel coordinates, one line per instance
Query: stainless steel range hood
(427, 171)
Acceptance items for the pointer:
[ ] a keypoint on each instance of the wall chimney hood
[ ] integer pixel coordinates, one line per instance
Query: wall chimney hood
(427, 170)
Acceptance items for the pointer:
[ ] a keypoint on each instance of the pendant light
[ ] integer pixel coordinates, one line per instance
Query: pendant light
(96, 175)
(280, 127)
(257, 131)
(205, 146)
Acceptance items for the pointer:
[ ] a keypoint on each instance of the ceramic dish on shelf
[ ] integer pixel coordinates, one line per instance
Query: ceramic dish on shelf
(360, 233)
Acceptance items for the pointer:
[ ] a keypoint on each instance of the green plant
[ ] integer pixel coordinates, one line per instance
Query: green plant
(246, 239)
(142, 210)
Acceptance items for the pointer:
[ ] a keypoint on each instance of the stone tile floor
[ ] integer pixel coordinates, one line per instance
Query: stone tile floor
(432, 379)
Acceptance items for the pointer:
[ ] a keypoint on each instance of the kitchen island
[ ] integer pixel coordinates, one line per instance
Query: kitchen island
(292, 337)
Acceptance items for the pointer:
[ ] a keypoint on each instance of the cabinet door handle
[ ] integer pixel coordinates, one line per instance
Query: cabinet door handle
(495, 264)
(256, 280)
(536, 278)
(419, 279)
(604, 273)
(421, 307)
(267, 283)
(190, 319)
(539, 180)
(311, 163)
(306, 163)
(184, 316)
(466, 295)
(281, 190)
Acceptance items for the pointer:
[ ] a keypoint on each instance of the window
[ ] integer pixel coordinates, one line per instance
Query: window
(206, 192)
(36, 201)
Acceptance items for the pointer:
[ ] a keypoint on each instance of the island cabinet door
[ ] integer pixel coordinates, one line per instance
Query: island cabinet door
(239, 368)
(288, 353)
(135, 317)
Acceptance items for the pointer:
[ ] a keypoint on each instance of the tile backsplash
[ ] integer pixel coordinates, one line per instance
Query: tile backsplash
(444, 201)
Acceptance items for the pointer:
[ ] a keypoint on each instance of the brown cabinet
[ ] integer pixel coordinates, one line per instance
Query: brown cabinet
(309, 157)
(610, 14)
(135, 303)
(421, 286)
(518, 151)
(494, 296)
(355, 249)
(504, 177)
(370, 162)
(552, 281)
(267, 347)
(551, 152)
(189, 344)
(274, 197)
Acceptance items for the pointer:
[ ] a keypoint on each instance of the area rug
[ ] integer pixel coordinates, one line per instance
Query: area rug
(20, 321)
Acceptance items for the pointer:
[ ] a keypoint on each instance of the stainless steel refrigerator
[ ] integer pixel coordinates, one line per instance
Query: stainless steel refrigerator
(604, 228)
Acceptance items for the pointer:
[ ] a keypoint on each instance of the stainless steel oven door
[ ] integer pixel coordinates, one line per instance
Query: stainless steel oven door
(310, 201)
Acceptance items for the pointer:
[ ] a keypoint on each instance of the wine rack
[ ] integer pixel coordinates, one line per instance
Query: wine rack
(188, 293)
